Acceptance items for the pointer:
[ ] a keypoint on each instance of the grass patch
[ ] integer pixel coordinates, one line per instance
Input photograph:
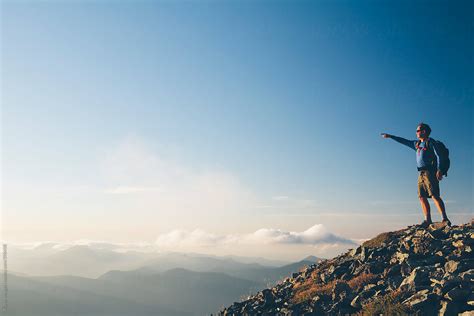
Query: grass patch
(361, 280)
(307, 291)
(388, 305)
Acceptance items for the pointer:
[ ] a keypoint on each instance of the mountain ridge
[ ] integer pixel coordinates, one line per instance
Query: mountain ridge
(413, 270)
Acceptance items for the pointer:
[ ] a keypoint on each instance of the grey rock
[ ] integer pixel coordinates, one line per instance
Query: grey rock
(418, 277)
(422, 301)
(457, 294)
(340, 291)
(448, 308)
(467, 275)
(392, 270)
(356, 302)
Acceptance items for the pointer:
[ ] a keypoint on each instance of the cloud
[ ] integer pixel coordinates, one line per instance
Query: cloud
(315, 235)
(128, 190)
(196, 238)
(51, 246)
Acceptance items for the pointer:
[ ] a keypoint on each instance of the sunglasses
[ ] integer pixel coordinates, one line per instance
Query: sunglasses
(420, 130)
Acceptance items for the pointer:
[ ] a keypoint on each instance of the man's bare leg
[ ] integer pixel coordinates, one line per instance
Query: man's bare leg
(425, 206)
(441, 208)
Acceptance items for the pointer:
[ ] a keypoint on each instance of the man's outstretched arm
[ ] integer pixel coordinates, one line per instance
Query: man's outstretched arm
(401, 140)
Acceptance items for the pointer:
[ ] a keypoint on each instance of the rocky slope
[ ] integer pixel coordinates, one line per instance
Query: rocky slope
(419, 271)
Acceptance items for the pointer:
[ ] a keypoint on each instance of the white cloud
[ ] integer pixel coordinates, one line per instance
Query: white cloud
(128, 190)
(315, 235)
(51, 246)
(196, 238)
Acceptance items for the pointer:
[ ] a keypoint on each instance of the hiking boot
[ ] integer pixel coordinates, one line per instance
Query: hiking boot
(447, 222)
(426, 223)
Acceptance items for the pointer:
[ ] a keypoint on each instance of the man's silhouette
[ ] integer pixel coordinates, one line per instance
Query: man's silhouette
(430, 167)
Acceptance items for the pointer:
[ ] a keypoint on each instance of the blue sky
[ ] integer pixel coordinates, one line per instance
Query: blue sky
(282, 102)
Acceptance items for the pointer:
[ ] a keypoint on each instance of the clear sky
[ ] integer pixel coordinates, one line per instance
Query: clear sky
(132, 121)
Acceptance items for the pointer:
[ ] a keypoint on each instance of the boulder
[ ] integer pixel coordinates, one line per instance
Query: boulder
(468, 275)
(340, 291)
(423, 301)
(457, 294)
(451, 266)
(448, 308)
(418, 277)
(356, 302)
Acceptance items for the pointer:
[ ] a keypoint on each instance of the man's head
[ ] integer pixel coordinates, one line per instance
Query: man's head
(423, 130)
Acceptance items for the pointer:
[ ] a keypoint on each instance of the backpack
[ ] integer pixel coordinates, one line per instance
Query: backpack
(443, 153)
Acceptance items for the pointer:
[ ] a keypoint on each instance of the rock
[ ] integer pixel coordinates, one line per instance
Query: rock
(438, 290)
(448, 308)
(422, 301)
(449, 282)
(391, 271)
(356, 302)
(369, 286)
(435, 282)
(400, 257)
(438, 232)
(422, 245)
(317, 299)
(375, 267)
(457, 294)
(465, 264)
(437, 226)
(405, 269)
(451, 266)
(363, 254)
(340, 291)
(419, 276)
(340, 308)
(468, 275)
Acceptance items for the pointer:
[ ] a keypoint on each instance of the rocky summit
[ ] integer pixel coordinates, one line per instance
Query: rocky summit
(413, 271)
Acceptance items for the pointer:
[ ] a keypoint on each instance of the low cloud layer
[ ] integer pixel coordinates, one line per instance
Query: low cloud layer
(315, 235)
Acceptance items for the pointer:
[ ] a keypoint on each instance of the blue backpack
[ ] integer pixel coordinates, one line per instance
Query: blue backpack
(443, 153)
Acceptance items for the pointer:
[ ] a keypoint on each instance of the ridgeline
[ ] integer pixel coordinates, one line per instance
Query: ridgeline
(414, 271)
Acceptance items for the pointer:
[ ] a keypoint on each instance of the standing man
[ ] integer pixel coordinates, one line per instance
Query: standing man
(431, 167)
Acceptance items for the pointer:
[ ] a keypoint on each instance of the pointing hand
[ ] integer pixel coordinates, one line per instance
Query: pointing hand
(384, 135)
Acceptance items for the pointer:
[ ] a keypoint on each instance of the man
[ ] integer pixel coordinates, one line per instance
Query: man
(430, 167)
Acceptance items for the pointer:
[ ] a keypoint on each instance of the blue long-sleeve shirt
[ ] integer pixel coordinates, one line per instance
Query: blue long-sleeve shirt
(426, 156)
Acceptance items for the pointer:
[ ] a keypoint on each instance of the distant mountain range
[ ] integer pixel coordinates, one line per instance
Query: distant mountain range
(134, 283)
(92, 260)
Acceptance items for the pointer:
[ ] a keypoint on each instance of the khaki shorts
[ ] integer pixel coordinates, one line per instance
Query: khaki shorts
(428, 184)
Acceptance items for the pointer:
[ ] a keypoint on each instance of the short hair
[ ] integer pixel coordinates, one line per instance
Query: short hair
(425, 127)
